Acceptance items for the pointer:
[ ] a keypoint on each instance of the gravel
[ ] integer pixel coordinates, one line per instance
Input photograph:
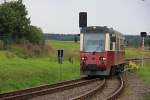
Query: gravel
(135, 88)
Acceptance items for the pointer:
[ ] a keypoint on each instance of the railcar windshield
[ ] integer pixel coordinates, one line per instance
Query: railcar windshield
(94, 42)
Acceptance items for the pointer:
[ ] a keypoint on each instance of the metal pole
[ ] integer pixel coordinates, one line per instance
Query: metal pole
(143, 43)
(60, 72)
(142, 51)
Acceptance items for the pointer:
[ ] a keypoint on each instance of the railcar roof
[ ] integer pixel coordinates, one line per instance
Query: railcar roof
(97, 29)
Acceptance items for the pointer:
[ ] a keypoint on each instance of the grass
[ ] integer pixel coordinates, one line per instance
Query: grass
(144, 72)
(147, 97)
(71, 49)
(18, 73)
(136, 53)
(66, 45)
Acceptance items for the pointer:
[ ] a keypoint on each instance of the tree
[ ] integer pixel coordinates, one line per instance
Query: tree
(13, 19)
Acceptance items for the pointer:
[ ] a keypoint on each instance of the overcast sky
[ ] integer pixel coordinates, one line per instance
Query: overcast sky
(61, 16)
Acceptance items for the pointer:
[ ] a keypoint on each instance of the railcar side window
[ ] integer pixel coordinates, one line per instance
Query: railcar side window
(117, 44)
(111, 42)
(94, 42)
(122, 44)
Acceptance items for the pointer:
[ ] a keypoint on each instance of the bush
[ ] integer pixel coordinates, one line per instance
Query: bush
(28, 50)
(35, 35)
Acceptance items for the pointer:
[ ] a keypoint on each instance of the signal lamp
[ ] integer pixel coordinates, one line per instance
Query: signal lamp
(143, 34)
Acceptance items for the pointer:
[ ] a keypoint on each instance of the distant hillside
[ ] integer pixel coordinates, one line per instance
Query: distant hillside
(133, 40)
(136, 41)
(63, 37)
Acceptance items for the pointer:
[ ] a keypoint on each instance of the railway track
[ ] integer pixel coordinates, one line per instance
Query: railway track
(118, 91)
(43, 90)
(90, 93)
(110, 89)
(71, 93)
(102, 86)
(106, 89)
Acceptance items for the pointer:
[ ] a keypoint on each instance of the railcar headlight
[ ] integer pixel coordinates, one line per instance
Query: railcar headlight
(102, 58)
(84, 58)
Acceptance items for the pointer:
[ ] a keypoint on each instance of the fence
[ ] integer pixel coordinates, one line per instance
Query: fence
(5, 41)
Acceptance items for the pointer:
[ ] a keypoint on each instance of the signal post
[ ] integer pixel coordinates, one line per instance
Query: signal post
(60, 61)
(143, 35)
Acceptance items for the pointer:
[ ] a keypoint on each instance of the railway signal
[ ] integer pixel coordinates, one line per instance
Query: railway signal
(60, 56)
(83, 19)
(75, 39)
(60, 60)
(143, 35)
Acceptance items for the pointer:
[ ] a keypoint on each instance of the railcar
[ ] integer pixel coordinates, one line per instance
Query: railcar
(101, 50)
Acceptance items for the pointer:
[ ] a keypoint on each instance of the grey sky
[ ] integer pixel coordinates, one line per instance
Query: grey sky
(61, 16)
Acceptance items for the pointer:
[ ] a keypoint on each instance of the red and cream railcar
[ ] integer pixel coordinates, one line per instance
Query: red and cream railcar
(101, 51)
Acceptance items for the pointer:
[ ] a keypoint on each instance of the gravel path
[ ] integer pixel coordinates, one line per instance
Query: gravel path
(135, 88)
(67, 94)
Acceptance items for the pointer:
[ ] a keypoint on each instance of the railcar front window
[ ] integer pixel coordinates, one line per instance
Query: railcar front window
(94, 42)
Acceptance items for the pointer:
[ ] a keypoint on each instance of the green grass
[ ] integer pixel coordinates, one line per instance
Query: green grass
(144, 72)
(18, 73)
(71, 49)
(136, 53)
(66, 45)
(147, 97)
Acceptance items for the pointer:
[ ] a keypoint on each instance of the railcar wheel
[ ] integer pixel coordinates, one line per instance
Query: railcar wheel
(113, 71)
(118, 69)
